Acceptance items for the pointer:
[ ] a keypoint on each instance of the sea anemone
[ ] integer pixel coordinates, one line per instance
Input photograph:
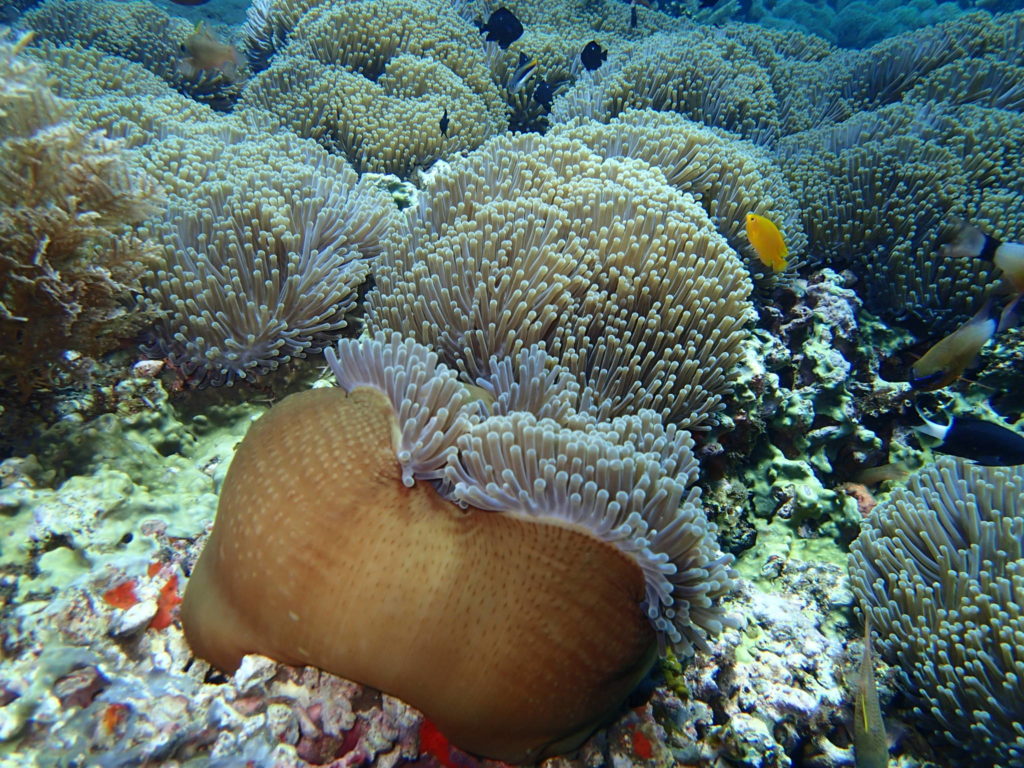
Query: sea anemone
(516, 594)
(939, 569)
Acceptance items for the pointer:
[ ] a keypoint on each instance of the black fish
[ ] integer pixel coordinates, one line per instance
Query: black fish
(984, 442)
(502, 28)
(190, 2)
(544, 94)
(444, 123)
(707, 3)
(592, 55)
(632, 17)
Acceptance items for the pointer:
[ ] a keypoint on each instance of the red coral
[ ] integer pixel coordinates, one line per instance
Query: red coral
(166, 602)
(122, 596)
(433, 742)
(641, 744)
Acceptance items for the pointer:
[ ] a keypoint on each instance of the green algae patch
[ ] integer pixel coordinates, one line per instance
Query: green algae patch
(791, 489)
(124, 485)
(777, 544)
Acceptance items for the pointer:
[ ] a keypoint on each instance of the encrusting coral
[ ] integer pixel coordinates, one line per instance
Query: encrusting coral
(939, 570)
(69, 262)
(540, 240)
(334, 547)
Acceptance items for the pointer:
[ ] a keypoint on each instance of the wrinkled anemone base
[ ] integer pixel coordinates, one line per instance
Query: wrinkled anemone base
(516, 637)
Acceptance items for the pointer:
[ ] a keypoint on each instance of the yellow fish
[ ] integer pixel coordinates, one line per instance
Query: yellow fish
(767, 241)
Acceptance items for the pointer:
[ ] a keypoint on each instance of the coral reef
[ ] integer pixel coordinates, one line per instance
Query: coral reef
(573, 292)
(69, 261)
(622, 278)
(937, 570)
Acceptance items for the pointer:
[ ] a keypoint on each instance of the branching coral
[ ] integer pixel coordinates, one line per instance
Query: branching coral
(622, 278)
(377, 92)
(68, 264)
(939, 569)
(264, 257)
(572, 551)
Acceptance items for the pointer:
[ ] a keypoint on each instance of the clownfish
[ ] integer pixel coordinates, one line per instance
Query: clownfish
(767, 241)
(983, 442)
(950, 356)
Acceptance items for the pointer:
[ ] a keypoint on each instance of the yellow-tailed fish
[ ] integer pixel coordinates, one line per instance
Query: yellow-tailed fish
(521, 74)
(950, 356)
(870, 744)
(767, 241)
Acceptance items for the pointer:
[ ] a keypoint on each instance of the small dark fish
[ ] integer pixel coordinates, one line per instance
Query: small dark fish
(190, 2)
(544, 94)
(707, 3)
(503, 28)
(984, 442)
(632, 16)
(443, 123)
(593, 55)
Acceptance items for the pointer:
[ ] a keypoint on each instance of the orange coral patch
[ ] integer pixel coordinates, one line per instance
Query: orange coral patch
(166, 602)
(122, 596)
